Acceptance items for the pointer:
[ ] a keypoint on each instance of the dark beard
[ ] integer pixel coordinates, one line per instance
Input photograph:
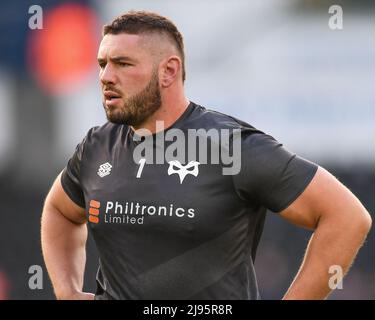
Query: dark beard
(138, 108)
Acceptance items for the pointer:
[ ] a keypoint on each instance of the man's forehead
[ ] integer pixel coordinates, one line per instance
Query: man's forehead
(134, 43)
(122, 43)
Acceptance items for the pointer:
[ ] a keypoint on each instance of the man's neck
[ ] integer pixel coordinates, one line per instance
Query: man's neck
(169, 112)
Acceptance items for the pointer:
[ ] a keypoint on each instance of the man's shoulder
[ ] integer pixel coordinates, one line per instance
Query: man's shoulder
(104, 133)
(210, 118)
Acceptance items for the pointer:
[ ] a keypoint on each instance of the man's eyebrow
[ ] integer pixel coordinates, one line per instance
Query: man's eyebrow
(117, 59)
(121, 58)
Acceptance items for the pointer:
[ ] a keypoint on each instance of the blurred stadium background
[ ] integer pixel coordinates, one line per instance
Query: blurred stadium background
(275, 64)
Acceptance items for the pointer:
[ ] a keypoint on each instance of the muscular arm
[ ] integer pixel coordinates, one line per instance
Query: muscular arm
(341, 224)
(64, 235)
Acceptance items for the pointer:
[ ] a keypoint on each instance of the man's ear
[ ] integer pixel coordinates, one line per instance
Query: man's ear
(170, 70)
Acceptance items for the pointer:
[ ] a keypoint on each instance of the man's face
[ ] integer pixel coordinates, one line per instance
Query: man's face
(129, 79)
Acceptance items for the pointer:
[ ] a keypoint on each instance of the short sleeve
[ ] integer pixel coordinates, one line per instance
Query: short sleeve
(271, 175)
(70, 177)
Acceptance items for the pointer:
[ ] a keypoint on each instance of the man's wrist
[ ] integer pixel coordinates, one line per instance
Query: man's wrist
(67, 294)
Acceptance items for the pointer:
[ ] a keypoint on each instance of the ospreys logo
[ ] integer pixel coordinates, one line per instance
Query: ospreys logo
(175, 166)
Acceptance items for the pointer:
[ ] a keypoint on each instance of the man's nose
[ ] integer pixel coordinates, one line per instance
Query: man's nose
(107, 75)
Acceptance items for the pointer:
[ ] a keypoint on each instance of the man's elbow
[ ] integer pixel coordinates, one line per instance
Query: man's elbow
(364, 222)
(358, 223)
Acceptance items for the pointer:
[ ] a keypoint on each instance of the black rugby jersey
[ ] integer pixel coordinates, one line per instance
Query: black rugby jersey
(180, 229)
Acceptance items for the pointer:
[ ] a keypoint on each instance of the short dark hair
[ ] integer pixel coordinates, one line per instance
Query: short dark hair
(138, 22)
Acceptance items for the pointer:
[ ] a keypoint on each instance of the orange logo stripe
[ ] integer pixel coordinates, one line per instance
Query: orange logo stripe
(93, 219)
(94, 211)
(95, 204)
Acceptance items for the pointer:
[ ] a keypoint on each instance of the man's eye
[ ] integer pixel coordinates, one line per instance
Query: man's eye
(101, 65)
(124, 64)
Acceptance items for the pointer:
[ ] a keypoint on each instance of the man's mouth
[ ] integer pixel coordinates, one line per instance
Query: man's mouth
(111, 98)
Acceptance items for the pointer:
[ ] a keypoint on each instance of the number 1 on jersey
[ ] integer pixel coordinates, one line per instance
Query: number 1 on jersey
(142, 163)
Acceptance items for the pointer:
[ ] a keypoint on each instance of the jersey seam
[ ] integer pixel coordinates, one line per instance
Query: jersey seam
(305, 183)
(82, 155)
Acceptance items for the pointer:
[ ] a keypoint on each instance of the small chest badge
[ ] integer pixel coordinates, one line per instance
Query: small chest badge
(104, 169)
(175, 166)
